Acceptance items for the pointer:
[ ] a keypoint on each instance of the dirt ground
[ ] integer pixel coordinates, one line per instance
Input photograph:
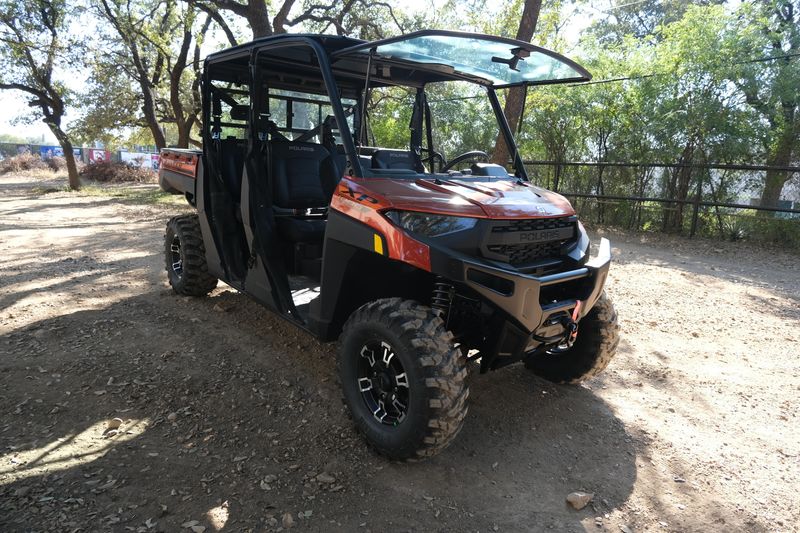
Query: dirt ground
(232, 419)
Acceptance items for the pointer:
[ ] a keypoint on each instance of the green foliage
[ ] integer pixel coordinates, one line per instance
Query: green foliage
(17, 139)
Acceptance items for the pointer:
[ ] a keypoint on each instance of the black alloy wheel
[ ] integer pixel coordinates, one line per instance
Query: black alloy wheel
(175, 257)
(383, 383)
(402, 378)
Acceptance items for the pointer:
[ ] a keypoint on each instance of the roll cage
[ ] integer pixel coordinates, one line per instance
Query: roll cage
(347, 69)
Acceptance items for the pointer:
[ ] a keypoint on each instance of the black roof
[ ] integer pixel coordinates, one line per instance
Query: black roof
(331, 43)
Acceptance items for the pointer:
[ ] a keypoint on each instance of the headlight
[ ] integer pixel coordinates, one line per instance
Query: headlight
(430, 225)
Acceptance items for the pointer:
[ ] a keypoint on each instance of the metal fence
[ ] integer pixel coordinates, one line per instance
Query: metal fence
(701, 212)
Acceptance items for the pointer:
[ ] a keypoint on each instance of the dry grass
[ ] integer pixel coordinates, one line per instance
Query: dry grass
(117, 172)
(23, 163)
(29, 165)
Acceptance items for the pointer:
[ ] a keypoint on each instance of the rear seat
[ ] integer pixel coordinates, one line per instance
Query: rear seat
(304, 177)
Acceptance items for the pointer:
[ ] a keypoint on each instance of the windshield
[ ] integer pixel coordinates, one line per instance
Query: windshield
(461, 118)
(499, 62)
(452, 118)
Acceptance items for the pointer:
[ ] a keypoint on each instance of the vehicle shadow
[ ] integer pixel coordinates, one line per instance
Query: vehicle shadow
(217, 394)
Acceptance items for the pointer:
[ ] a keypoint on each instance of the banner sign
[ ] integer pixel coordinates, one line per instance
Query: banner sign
(51, 151)
(47, 152)
(137, 159)
(98, 154)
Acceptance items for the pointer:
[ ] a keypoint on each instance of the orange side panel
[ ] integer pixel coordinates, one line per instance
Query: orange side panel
(185, 164)
(354, 202)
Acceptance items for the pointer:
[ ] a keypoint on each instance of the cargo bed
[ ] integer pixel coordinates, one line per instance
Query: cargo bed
(178, 170)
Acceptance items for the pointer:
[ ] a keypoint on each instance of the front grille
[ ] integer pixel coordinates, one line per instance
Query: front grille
(502, 243)
(517, 254)
(533, 224)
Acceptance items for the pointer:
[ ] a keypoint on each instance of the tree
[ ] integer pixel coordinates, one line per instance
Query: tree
(136, 55)
(34, 42)
(184, 96)
(769, 32)
(516, 95)
(639, 19)
(334, 15)
(155, 48)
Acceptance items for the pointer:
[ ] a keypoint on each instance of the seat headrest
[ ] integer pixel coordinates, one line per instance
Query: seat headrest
(298, 150)
(240, 112)
(393, 159)
(330, 121)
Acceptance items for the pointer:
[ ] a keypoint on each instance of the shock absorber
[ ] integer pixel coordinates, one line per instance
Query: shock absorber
(442, 298)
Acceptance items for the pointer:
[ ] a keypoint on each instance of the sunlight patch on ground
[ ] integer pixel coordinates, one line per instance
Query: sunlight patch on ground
(69, 451)
(102, 292)
(218, 516)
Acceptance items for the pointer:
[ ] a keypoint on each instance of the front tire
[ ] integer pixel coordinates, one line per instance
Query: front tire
(185, 257)
(402, 378)
(595, 346)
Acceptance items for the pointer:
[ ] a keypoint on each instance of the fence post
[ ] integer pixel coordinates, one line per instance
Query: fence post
(696, 208)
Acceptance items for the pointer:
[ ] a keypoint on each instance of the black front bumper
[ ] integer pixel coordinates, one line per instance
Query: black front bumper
(533, 306)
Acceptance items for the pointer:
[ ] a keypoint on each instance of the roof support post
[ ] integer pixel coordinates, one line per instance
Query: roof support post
(519, 167)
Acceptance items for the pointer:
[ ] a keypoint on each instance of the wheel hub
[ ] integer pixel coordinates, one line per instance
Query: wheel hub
(383, 383)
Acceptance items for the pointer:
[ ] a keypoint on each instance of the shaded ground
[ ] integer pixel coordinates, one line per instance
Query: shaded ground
(231, 417)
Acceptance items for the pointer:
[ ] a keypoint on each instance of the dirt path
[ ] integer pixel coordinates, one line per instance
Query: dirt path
(232, 418)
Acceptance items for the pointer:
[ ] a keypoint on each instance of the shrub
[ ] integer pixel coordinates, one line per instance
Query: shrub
(117, 172)
(22, 162)
(56, 163)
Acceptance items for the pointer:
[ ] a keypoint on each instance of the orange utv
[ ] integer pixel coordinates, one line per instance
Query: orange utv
(420, 263)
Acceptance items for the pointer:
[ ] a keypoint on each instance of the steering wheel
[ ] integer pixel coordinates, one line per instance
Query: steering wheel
(430, 159)
(466, 156)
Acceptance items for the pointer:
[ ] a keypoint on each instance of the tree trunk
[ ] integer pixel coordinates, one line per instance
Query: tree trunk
(557, 176)
(149, 110)
(780, 156)
(185, 132)
(516, 96)
(183, 123)
(258, 18)
(678, 189)
(69, 156)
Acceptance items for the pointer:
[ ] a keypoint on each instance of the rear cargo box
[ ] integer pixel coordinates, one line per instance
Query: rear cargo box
(177, 173)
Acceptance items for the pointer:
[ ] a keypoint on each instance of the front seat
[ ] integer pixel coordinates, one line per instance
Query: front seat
(386, 159)
(303, 178)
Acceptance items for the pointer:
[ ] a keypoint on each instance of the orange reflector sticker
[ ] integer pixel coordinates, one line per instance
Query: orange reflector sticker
(378, 244)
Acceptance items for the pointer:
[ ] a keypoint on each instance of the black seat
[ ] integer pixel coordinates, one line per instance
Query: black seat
(386, 159)
(232, 153)
(304, 177)
(339, 162)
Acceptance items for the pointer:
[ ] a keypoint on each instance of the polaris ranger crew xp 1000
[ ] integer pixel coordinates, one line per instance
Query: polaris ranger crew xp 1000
(356, 224)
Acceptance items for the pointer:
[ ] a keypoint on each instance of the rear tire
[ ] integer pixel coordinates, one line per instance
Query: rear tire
(595, 346)
(402, 378)
(185, 257)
